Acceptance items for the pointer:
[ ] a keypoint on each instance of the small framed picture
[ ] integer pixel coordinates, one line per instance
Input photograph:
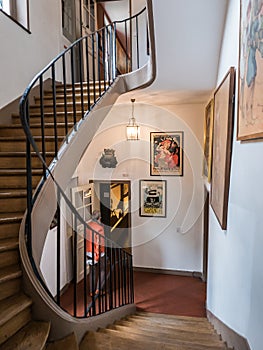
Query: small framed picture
(166, 153)
(153, 198)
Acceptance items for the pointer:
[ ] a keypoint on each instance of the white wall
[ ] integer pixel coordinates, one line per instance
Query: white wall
(156, 242)
(187, 35)
(22, 54)
(235, 270)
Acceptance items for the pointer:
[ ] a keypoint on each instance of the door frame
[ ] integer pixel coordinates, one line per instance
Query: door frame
(206, 233)
(103, 192)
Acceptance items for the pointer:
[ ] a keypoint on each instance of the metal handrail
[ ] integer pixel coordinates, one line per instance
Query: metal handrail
(101, 47)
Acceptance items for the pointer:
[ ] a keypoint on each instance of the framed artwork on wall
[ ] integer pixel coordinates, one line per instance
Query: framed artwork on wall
(208, 139)
(153, 198)
(250, 81)
(166, 153)
(222, 146)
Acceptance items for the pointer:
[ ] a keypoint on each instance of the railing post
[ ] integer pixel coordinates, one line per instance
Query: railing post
(93, 68)
(88, 71)
(58, 245)
(54, 108)
(73, 85)
(42, 121)
(81, 79)
(65, 96)
(115, 71)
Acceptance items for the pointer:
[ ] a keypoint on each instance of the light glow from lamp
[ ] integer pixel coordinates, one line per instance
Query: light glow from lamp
(132, 129)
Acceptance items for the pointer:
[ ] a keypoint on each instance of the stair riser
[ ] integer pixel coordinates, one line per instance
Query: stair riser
(16, 323)
(18, 181)
(35, 119)
(9, 288)
(13, 132)
(12, 205)
(12, 146)
(59, 108)
(9, 230)
(9, 258)
(60, 89)
(48, 99)
(20, 162)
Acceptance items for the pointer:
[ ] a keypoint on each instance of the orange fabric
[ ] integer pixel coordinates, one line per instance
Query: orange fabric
(98, 240)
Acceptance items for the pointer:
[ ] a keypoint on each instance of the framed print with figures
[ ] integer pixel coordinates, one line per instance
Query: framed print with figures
(250, 80)
(166, 153)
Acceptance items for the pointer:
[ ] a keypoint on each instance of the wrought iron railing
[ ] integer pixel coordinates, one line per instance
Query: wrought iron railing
(64, 93)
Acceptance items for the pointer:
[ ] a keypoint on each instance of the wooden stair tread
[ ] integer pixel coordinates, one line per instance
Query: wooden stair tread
(14, 172)
(10, 217)
(34, 126)
(12, 306)
(172, 317)
(58, 104)
(166, 326)
(46, 113)
(20, 154)
(8, 244)
(23, 138)
(17, 193)
(31, 337)
(97, 340)
(10, 272)
(170, 336)
(178, 320)
(69, 342)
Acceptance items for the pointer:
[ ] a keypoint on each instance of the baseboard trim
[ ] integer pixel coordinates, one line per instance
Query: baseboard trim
(169, 272)
(233, 339)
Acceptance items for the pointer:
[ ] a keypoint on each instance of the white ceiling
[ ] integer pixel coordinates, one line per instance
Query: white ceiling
(188, 36)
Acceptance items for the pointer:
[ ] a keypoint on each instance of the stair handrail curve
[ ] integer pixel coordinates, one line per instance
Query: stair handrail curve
(102, 66)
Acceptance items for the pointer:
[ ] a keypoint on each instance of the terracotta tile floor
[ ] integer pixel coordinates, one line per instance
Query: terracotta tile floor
(169, 294)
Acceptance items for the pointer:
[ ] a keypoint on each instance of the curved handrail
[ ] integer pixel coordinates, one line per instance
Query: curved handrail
(103, 65)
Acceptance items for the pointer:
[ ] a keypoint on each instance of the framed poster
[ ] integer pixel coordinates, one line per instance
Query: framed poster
(222, 146)
(166, 153)
(153, 198)
(208, 140)
(250, 102)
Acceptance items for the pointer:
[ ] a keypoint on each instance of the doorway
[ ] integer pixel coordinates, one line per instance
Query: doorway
(115, 211)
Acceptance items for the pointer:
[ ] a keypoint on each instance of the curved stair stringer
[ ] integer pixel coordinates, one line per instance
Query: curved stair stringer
(44, 307)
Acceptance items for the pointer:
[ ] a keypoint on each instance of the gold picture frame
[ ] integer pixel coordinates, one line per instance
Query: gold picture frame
(208, 139)
(222, 146)
(250, 80)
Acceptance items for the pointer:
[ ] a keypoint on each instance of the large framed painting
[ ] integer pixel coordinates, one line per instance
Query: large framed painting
(166, 153)
(222, 146)
(153, 198)
(208, 139)
(250, 102)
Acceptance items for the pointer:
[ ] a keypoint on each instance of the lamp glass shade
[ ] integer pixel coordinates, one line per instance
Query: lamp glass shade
(132, 132)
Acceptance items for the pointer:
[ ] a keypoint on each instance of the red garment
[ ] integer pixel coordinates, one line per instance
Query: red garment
(99, 241)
